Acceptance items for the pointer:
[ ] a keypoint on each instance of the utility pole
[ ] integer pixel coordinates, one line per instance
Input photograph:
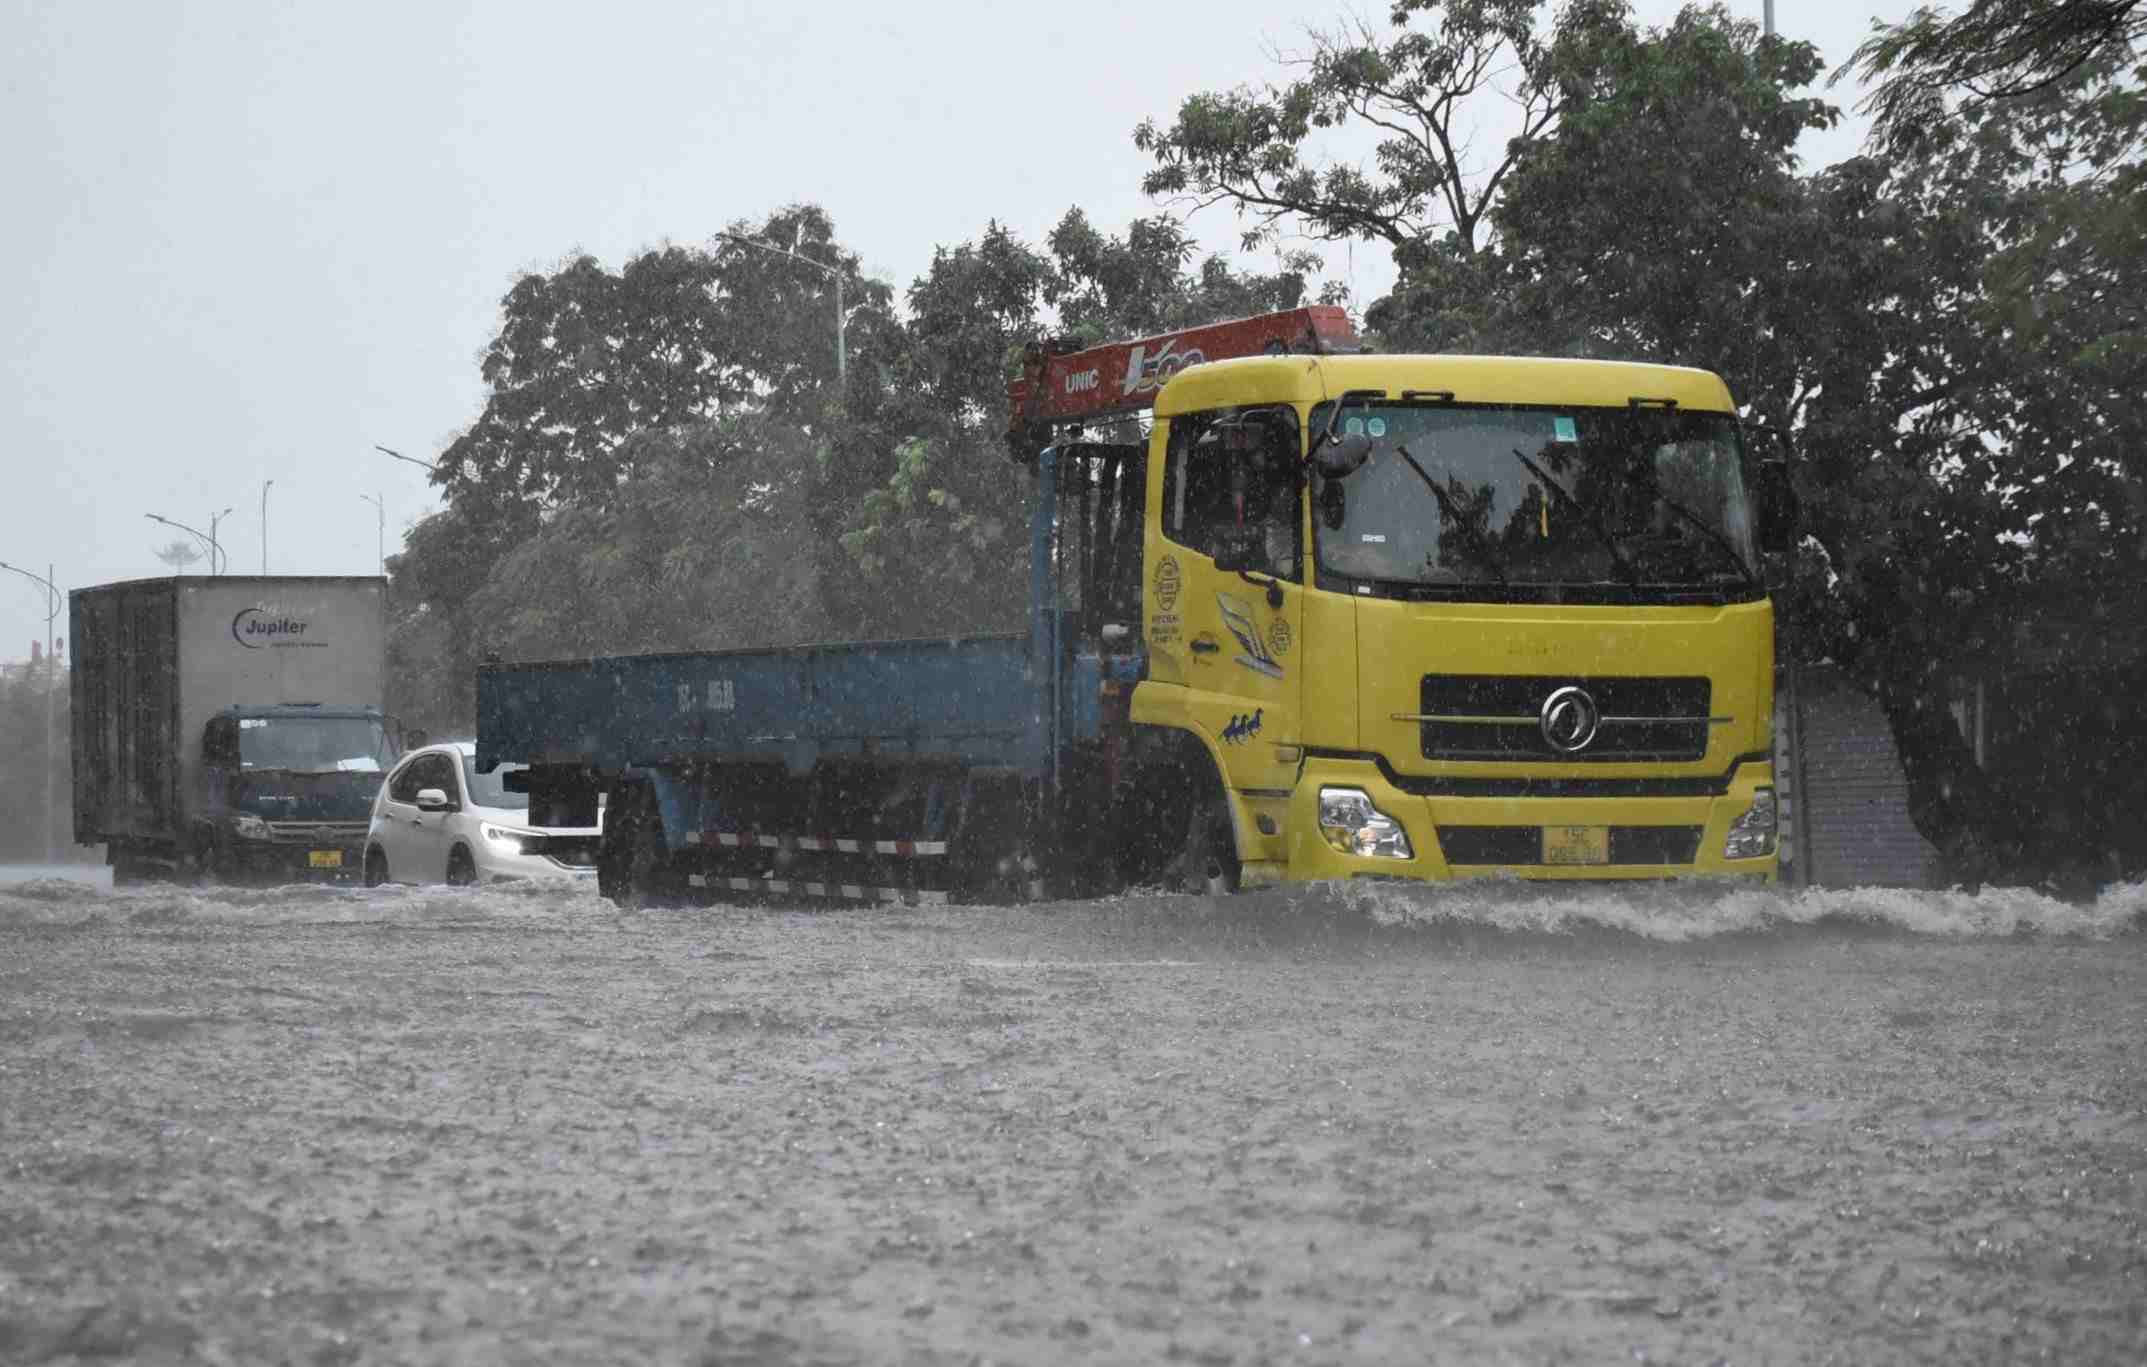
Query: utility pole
(264, 524)
(52, 612)
(1770, 18)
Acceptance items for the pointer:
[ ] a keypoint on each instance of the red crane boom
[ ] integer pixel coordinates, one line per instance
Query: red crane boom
(1059, 384)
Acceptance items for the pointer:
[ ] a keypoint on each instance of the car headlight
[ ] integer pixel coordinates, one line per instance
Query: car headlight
(505, 839)
(1353, 825)
(252, 828)
(1752, 834)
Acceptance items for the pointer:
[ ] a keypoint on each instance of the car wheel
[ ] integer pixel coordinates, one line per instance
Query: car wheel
(376, 867)
(461, 869)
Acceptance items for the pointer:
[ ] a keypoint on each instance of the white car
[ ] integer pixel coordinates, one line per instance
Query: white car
(437, 820)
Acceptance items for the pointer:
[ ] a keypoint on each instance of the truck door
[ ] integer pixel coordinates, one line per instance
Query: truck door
(1227, 602)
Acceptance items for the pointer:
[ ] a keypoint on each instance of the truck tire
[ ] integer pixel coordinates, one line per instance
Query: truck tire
(634, 865)
(1175, 832)
(1208, 860)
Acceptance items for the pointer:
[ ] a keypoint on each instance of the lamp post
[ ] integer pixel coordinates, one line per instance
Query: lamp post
(217, 558)
(842, 364)
(208, 543)
(380, 548)
(408, 460)
(52, 612)
(264, 524)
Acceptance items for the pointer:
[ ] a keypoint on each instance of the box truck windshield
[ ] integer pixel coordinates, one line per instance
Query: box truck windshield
(314, 745)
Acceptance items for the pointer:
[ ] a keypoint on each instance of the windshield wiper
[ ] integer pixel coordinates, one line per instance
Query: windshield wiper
(1447, 506)
(1588, 519)
(1708, 530)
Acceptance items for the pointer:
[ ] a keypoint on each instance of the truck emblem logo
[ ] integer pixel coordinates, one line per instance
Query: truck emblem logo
(1167, 584)
(1253, 652)
(1569, 719)
(254, 629)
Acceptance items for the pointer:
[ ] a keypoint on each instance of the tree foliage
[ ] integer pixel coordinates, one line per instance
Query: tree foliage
(1419, 94)
(34, 711)
(1998, 49)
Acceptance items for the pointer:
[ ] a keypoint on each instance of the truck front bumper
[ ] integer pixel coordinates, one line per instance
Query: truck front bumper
(1545, 837)
(304, 860)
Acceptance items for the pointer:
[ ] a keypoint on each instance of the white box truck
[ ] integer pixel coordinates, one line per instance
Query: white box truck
(230, 727)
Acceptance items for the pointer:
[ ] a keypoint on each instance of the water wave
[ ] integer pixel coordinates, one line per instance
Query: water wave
(1676, 912)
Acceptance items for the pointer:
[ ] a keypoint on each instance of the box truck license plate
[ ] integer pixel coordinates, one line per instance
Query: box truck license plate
(1576, 844)
(324, 859)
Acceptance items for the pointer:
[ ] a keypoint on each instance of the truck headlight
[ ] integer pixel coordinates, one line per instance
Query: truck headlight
(505, 839)
(252, 828)
(1352, 825)
(1752, 834)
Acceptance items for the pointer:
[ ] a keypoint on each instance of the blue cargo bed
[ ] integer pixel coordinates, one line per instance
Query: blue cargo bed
(965, 700)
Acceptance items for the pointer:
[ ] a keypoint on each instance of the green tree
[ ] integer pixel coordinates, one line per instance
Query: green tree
(1996, 50)
(34, 711)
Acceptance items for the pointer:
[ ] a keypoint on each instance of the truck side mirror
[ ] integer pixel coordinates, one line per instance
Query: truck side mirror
(1341, 457)
(432, 800)
(1776, 508)
(1239, 549)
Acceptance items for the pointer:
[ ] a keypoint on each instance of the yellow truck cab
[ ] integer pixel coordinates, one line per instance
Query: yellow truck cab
(1437, 616)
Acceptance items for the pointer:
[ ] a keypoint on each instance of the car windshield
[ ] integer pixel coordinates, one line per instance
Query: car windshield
(315, 745)
(1457, 496)
(489, 790)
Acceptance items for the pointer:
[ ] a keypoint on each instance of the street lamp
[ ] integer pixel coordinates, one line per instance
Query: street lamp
(381, 546)
(411, 460)
(217, 558)
(842, 365)
(52, 611)
(208, 543)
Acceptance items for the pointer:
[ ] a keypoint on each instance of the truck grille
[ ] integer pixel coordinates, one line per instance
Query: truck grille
(1513, 845)
(1494, 717)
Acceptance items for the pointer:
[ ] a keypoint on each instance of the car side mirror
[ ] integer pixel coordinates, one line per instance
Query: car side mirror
(432, 800)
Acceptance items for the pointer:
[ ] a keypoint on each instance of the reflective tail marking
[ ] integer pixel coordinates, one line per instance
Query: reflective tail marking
(853, 892)
(906, 849)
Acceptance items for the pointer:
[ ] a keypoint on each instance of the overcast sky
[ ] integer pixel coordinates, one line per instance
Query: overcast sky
(247, 241)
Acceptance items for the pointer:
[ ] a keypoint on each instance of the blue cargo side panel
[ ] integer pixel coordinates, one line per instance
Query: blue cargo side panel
(966, 700)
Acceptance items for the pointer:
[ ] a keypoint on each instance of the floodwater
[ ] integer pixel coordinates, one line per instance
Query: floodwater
(1487, 1123)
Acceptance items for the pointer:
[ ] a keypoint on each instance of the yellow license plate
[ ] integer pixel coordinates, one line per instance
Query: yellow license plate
(1576, 844)
(324, 859)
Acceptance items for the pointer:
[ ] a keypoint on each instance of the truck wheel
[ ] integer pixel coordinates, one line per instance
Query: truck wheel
(1208, 861)
(376, 867)
(634, 866)
(461, 869)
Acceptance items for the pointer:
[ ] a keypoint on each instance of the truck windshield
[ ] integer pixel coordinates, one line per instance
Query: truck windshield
(314, 745)
(1635, 501)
